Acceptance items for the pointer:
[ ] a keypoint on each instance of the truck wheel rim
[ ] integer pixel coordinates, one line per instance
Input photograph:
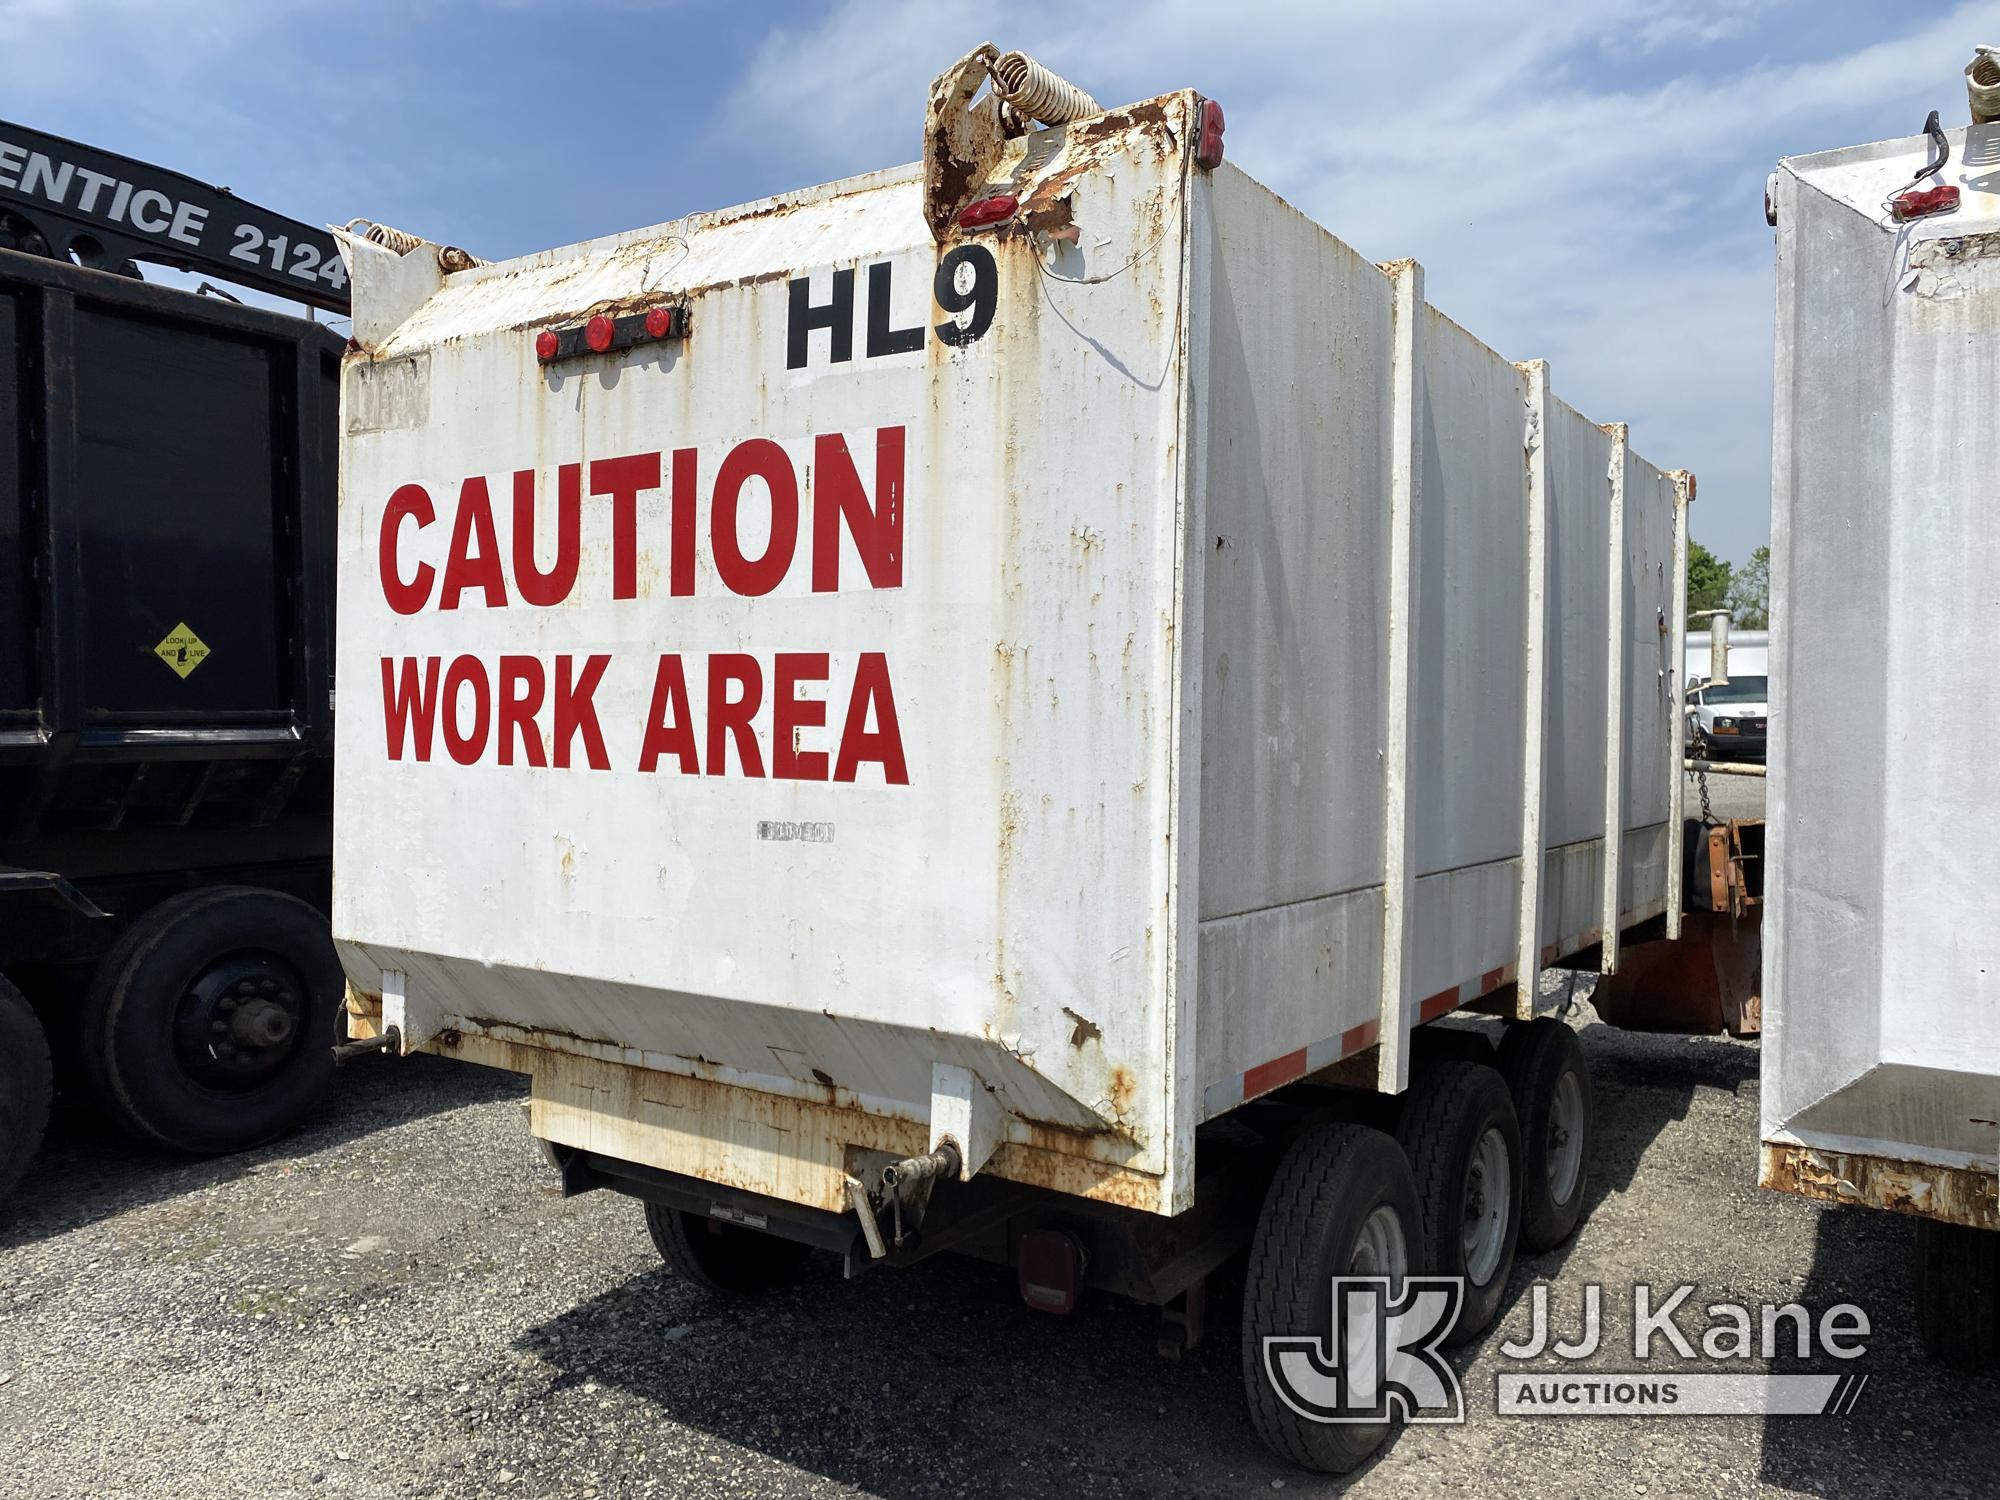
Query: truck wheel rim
(1488, 1196)
(1565, 1138)
(1380, 1249)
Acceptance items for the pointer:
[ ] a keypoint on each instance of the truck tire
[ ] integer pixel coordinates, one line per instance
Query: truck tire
(1462, 1137)
(720, 1257)
(211, 1021)
(1545, 1070)
(1342, 1203)
(27, 1086)
(1955, 1274)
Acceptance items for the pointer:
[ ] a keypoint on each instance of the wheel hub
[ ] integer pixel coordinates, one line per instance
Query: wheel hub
(239, 1020)
(1488, 1194)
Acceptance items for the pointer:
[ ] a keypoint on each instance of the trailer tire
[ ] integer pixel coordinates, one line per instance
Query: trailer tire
(1342, 1203)
(1545, 1070)
(210, 1023)
(1463, 1139)
(27, 1086)
(720, 1257)
(1955, 1276)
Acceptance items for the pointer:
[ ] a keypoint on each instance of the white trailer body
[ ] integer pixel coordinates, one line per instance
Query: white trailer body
(1168, 641)
(1881, 1060)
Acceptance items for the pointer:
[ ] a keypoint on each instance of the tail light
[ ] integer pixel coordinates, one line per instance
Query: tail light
(1921, 203)
(1050, 1266)
(999, 207)
(1208, 147)
(604, 334)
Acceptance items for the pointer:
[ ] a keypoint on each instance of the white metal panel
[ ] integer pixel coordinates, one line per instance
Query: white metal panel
(1296, 579)
(1882, 1008)
(1010, 908)
(1466, 740)
(1578, 628)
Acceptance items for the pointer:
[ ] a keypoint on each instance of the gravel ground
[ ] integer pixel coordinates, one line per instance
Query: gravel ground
(398, 1302)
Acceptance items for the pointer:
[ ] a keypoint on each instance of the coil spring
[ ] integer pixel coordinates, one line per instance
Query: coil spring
(450, 257)
(399, 240)
(1039, 94)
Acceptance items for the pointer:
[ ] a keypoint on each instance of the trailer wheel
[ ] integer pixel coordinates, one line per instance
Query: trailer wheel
(1545, 1070)
(1955, 1274)
(27, 1086)
(720, 1257)
(1342, 1204)
(211, 1021)
(1462, 1137)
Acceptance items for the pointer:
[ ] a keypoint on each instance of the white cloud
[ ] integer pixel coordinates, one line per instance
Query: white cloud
(1582, 181)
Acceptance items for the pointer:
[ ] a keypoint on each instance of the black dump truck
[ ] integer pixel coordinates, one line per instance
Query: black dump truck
(167, 492)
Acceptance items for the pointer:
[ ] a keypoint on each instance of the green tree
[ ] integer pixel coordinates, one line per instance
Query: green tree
(1749, 592)
(1708, 580)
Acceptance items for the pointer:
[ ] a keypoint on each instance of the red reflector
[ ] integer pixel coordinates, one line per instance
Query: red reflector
(1208, 150)
(988, 210)
(545, 344)
(1916, 205)
(1050, 1267)
(597, 333)
(659, 322)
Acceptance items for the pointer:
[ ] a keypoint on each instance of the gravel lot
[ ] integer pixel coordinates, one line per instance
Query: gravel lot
(397, 1302)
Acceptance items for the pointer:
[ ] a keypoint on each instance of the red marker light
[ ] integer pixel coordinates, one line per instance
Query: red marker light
(988, 211)
(545, 345)
(597, 333)
(1917, 205)
(659, 322)
(1208, 150)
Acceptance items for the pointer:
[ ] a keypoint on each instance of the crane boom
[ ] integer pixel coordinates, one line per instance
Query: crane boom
(72, 201)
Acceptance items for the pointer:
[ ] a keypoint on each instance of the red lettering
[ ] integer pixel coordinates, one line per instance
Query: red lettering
(474, 560)
(791, 713)
(837, 495)
(756, 458)
(522, 683)
(412, 502)
(622, 479)
(884, 744)
(680, 567)
(730, 718)
(552, 587)
(577, 714)
(409, 705)
(466, 671)
(669, 737)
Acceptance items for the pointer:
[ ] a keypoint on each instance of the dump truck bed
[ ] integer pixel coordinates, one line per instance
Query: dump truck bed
(1048, 683)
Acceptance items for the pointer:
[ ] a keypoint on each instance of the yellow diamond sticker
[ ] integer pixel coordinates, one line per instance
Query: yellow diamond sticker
(182, 650)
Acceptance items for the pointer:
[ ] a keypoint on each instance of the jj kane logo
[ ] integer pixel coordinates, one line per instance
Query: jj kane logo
(1380, 1357)
(1379, 1360)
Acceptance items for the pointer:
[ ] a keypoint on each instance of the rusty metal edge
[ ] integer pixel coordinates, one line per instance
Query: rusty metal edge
(1924, 1190)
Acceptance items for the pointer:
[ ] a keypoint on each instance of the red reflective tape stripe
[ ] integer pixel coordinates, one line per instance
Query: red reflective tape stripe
(1438, 1004)
(1491, 980)
(1355, 1038)
(1267, 1076)
(1549, 954)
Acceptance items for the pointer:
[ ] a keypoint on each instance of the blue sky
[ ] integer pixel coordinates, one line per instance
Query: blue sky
(1583, 183)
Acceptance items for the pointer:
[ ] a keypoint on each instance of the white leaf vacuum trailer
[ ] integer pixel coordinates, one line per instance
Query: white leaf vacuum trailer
(904, 704)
